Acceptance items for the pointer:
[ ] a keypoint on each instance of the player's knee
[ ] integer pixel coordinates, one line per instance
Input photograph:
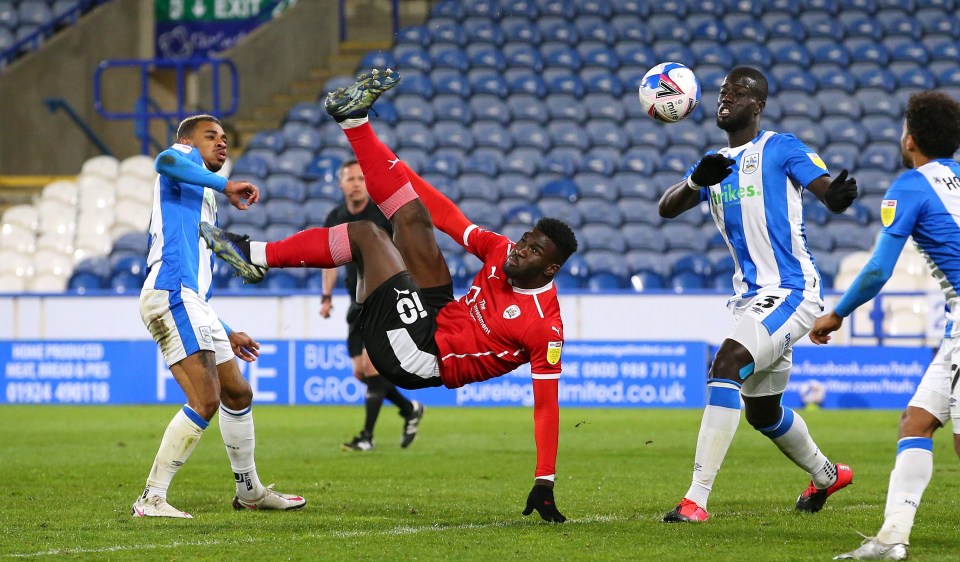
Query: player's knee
(728, 367)
(365, 233)
(416, 216)
(761, 418)
(206, 407)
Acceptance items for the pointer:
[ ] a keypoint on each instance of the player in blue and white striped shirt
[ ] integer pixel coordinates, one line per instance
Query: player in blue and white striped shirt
(924, 202)
(196, 345)
(754, 189)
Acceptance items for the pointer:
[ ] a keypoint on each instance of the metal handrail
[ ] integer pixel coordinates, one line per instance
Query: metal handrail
(145, 108)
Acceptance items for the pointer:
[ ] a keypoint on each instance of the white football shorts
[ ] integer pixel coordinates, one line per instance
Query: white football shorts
(767, 326)
(182, 324)
(938, 392)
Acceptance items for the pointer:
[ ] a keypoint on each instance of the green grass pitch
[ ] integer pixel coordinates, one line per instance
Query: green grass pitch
(69, 475)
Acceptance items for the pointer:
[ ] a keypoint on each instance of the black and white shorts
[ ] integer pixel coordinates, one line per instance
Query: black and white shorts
(398, 323)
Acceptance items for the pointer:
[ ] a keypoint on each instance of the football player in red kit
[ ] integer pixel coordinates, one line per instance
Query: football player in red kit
(417, 335)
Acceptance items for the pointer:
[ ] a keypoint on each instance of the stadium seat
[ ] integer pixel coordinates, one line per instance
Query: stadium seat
(897, 24)
(882, 129)
(449, 82)
(316, 211)
(83, 281)
(528, 83)
(919, 78)
(517, 30)
(859, 26)
(485, 82)
(605, 281)
(562, 161)
(491, 135)
(526, 214)
(523, 106)
(645, 237)
(566, 84)
(599, 211)
(523, 56)
(566, 107)
(522, 160)
(530, 134)
(685, 237)
(687, 281)
(378, 59)
(678, 160)
(485, 57)
(601, 161)
(483, 30)
(450, 108)
(482, 212)
(290, 213)
(562, 210)
(636, 210)
(482, 162)
(881, 156)
(446, 162)
(489, 108)
(877, 101)
(415, 135)
(604, 133)
(443, 32)
(601, 260)
(561, 189)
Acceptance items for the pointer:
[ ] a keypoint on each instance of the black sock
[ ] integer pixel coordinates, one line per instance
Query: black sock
(373, 402)
(393, 395)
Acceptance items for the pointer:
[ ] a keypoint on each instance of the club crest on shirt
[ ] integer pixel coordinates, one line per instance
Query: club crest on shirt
(751, 162)
(553, 352)
(511, 312)
(205, 333)
(888, 210)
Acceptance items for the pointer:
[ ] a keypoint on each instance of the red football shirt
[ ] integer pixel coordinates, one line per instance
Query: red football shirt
(496, 327)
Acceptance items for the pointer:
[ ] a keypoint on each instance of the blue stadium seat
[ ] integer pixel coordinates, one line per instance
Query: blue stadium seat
(451, 108)
(636, 210)
(530, 134)
(286, 212)
(559, 8)
(851, 236)
(491, 135)
(490, 108)
(840, 155)
(605, 281)
(453, 135)
(634, 54)
(898, 24)
(376, 59)
(445, 162)
(746, 53)
(412, 58)
(642, 281)
(560, 189)
(919, 78)
(417, 35)
(841, 129)
(294, 161)
(478, 186)
(869, 51)
(269, 140)
(521, 32)
(902, 6)
(599, 211)
(786, 28)
(646, 237)
(489, 83)
(859, 26)
(833, 78)
(632, 184)
(523, 56)
(445, 32)
(562, 161)
(600, 260)
(599, 81)
(321, 189)
(561, 56)
(316, 211)
(524, 106)
(528, 83)
(668, 28)
(34, 12)
(936, 22)
(639, 8)
(602, 57)
(411, 108)
(601, 161)
(483, 30)
(678, 160)
(795, 79)
(819, 24)
(949, 77)
(8, 16)
(909, 51)
(676, 51)
(693, 263)
(286, 188)
(790, 53)
(7, 39)
(415, 158)
(521, 8)
(684, 237)
(562, 210)
(281, 280)
(517, 186)
(882, 129)
(687, 281)
(557, 30)
(415, 135)
(836, 104)
(599, 8)
(484, 162)
(881, 156)
(564, 281)
(418, 85)
(795, 104)
(877, 101)
(646, 260)
(134, 264)
(604, 133)
(523, 160)
(525, 213)
(251, 166)
(298, 135)
(233, 216)
(332, 138)
(832, 53)
(686, 133)
(640, 160)
(709, 53)
(125, 282)
(631, 29)
(486, 57)
(481, 212)
(448, 58)
(809, 132)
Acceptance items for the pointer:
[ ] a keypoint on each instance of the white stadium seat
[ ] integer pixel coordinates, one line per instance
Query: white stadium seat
(133, 188)
(15, 263)
(61, 242)
(55, 216)
(17, 238)
(48, 283)
(105, 166)
(134, 214)
(96, 192)
(89, 244)
(119, 229)
(23, 215)
(65, 191)
(139, 166)
(95, 220)
(12, 283)
(51, 262)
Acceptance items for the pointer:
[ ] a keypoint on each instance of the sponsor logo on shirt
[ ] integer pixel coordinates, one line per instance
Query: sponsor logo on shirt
(184, 148)
(751, 162)
(730, 195)
(815, 158)
(553, 352)
(888, 210)
(511, 312)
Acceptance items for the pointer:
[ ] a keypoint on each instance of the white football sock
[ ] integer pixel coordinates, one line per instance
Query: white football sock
(258, 253)
(354, 122)
(179, 440)
(910, 476)
(717, 428)
(791, 435)
(236, 427)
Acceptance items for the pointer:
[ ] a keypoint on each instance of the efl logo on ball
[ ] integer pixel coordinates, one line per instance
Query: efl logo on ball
(669, 92)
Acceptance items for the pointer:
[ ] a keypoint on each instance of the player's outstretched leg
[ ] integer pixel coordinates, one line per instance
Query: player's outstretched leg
(233, 249)
(354, 101)
(813, 498)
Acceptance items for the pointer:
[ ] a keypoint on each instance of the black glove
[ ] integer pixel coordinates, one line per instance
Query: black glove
(711, 169)
(841, 193)
(541, 499)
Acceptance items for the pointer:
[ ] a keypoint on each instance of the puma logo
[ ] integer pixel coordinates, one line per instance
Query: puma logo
(555, 329)
(493, 273)
(403, 292)
(393, 163)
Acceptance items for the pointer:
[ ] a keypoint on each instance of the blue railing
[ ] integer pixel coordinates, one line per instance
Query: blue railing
(146, 110)
(35, 39)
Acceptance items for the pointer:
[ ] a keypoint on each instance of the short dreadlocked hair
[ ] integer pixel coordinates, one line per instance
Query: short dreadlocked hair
(933, 120)
(561, 235)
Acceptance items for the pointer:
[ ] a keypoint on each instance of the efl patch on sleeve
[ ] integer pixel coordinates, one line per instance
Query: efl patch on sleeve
(888, 210)
(184, 148)
(553, 352)
(815, 158)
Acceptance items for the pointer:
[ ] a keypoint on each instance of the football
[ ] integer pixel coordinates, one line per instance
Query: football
(669, 92)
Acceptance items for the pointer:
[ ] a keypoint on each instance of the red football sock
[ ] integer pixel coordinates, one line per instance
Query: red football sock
(387, 183)
(316, 247)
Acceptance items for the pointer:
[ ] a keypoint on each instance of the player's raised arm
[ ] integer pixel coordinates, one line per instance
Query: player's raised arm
(445, 215)
(174, 164)
(687, 193)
